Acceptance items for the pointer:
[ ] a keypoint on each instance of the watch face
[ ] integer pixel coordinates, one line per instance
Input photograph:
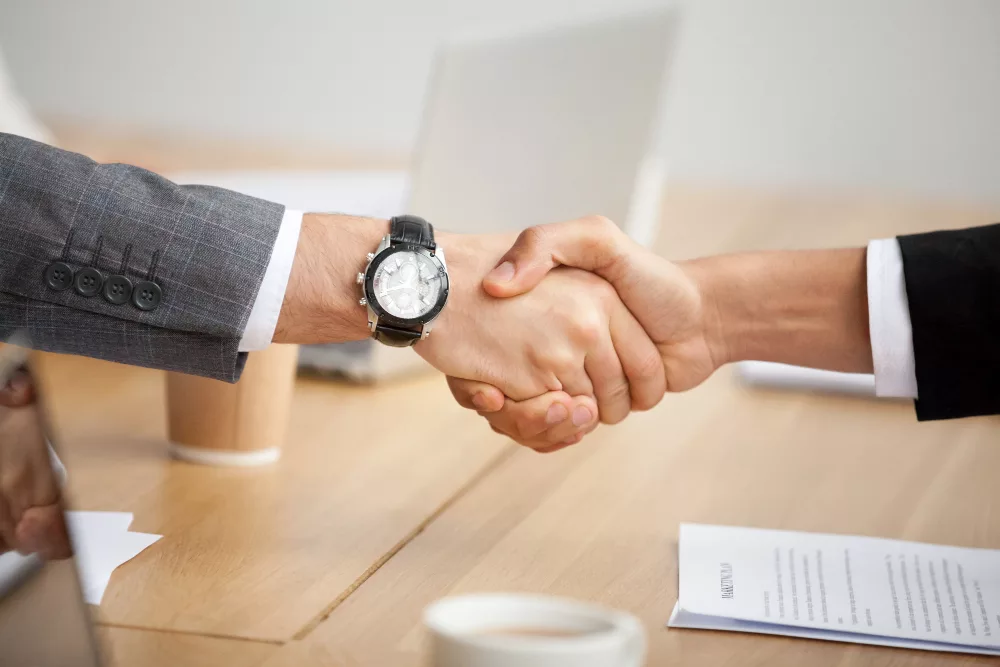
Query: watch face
(407, 284)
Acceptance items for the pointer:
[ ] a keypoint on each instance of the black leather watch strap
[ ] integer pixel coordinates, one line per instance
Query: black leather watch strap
(412, 229)
(395, 337)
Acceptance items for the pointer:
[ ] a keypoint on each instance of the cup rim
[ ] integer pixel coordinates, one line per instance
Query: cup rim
(620, 625)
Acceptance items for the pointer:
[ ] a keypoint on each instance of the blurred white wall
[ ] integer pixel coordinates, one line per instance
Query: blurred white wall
(893, 95)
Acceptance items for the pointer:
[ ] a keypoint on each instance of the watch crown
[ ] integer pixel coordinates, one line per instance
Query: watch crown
(370, 256)
(361, 278)
(363, 302)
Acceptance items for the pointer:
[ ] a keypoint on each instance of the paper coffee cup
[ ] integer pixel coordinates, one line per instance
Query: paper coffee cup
(242, 424)
(501, 630)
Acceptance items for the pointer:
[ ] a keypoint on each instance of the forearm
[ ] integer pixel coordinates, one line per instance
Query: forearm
(321, 300)
(808, 308)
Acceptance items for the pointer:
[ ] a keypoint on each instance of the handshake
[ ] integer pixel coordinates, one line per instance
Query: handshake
(575, 324)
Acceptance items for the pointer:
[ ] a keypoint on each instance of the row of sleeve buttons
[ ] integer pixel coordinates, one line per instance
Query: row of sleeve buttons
(88, 282)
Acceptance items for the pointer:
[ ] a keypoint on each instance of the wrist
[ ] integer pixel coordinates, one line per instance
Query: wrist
(806, 308)
(717, 329)
(321, 303)
(469, 258)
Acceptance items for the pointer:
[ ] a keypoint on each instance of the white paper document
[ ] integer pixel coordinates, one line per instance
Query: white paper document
(864, 590)
(102, 542)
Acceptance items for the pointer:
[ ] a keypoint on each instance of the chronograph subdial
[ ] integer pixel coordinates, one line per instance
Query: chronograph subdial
(407, 285)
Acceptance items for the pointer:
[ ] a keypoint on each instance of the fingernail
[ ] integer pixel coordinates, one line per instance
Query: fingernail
(503, 273)
(581, 415)
(479, 400)
(557, 413)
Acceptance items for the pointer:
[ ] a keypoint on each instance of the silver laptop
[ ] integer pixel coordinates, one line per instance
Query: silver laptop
(527, 128)
(43, 619)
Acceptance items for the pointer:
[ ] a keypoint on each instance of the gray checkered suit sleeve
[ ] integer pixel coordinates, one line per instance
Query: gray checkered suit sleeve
(206, 248)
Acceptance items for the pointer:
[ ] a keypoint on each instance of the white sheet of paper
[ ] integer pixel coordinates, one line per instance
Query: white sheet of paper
(126, 546)
(102, 542)
(89, 523)
(840, 588)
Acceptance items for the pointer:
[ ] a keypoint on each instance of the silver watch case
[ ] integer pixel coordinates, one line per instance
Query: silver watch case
(375, 312)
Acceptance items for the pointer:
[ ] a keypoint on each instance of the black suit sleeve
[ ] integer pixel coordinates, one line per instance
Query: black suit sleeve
(953, 289)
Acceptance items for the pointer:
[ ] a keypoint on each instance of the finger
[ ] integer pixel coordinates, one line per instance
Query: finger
(611, 389)
(42, 531)
(561, 445)
(641, 361)
(18, 391)
(594, 244)
(476, 396)
(575, 379)
(545, 447)
(583, 419)
(523, 421)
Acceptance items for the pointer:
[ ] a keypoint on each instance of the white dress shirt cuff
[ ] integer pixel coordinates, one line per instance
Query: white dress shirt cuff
(889, 322)
(264, 314)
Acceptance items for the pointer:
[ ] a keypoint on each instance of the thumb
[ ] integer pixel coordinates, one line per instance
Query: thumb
(593, 244)
(476, 396)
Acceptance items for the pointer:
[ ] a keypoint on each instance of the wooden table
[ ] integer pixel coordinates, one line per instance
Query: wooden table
(329, 557)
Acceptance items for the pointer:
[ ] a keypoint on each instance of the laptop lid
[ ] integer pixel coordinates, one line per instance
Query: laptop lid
(538, 127)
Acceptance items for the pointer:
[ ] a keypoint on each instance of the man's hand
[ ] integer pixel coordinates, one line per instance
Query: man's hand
(806, 307)
(664, 298)
(31, 511)
(570, 334)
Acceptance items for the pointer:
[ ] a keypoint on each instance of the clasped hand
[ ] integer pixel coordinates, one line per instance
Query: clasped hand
(574, 325)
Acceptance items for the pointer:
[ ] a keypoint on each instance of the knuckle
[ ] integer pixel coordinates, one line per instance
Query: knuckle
(561, 360)
(617, 393)
(604, 291)
(588, 330)
(532, 237)
(601, 224)
(618, 405)
(604, 242)
(650, 369)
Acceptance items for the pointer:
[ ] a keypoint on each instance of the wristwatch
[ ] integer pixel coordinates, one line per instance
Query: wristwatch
(405, 284)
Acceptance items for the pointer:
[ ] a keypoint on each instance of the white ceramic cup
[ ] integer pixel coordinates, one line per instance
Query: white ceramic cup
(507, 630)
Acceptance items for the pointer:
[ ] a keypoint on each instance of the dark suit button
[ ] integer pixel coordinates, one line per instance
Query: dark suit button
(58, 276)
(146, 295)
(88, 282)
(117, 290)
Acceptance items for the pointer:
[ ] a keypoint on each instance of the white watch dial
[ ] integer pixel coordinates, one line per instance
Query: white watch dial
(407, 284)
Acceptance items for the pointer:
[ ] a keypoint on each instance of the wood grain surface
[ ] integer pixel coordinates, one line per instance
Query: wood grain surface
(389, 498)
